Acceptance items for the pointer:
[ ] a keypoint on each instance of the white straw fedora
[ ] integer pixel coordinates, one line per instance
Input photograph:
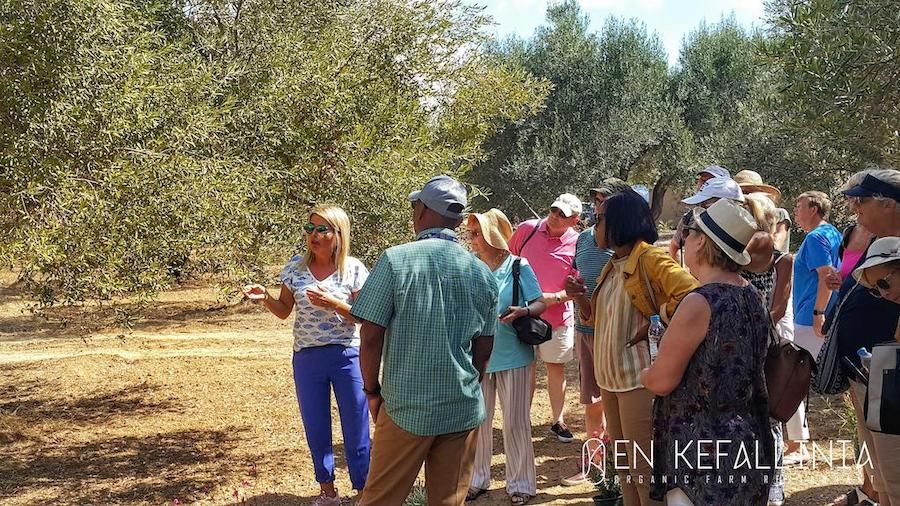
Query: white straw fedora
(730, 226)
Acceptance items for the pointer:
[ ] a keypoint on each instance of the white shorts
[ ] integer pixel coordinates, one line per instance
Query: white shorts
(805, 336)
(560, 348)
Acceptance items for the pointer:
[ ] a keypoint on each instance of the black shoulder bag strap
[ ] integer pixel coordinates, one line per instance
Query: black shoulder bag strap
(515, 268)
(845, 240)
(522, 247)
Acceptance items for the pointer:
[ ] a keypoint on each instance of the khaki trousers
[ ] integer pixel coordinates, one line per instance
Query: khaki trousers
(884, 450)
(629, 418)
(397, 457)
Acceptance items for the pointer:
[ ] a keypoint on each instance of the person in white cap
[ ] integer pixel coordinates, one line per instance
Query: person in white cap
(879, 268)
(709, 172)
(710, 371)
(712, 189)
(549, 246)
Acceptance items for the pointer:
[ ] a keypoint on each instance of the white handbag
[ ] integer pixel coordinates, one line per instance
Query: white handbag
(882, 407)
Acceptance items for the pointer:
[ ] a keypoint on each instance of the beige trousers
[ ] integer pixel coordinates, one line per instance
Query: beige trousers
(629, 418)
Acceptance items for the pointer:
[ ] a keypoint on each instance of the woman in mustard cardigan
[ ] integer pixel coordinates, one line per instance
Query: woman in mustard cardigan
(639, 281)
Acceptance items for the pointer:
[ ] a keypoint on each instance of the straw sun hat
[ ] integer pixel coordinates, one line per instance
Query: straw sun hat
(495, 228)
(750, 182)
(730, 226)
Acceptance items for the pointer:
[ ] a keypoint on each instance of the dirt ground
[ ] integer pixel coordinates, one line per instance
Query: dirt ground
(196, 405)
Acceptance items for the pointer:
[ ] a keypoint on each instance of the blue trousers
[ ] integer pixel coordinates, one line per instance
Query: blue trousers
(316, 371)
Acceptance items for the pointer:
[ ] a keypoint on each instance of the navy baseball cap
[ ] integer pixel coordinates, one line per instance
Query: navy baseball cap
(871, 186)
(443, 195)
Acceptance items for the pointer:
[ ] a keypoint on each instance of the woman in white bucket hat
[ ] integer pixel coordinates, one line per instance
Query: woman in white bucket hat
(878, 272)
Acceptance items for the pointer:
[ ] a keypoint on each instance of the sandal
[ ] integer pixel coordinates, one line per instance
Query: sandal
(799, 459)
(520, 498)
(475, 493)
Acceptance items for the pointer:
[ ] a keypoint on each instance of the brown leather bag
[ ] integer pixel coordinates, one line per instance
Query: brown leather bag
(789, 371)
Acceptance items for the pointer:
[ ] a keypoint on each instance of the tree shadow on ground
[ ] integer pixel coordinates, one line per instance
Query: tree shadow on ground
(146, 468)
(132, 400)
(273, 499)
(139, 469)
(78, 321)
(816, 496)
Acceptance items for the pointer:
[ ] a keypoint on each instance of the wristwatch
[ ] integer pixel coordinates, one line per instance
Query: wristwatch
(816, 312)
(374, 391)
(558, 299)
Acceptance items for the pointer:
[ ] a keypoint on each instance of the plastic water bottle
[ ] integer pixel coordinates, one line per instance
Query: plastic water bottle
(865, 358)
(654, 335)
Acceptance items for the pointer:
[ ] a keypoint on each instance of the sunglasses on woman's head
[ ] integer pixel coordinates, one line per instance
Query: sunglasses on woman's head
(322, 229)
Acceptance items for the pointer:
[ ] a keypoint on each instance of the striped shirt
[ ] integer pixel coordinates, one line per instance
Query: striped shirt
(433, 298)
(589, 261)
(617, 368)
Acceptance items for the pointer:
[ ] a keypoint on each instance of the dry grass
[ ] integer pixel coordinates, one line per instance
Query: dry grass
(197, 405)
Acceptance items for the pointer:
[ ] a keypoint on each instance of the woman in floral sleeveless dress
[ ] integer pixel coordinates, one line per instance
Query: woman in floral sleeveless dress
(709, 375)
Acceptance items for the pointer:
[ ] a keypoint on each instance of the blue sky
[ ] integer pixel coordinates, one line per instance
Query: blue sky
(671, 19)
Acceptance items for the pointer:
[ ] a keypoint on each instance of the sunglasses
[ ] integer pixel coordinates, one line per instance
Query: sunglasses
(685, 232)
(881, 285)
(322, 229)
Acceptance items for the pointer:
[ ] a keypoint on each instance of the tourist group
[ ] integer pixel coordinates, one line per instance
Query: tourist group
(675, 342)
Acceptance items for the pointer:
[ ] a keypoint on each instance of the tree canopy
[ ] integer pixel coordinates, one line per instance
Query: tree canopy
(143, 139)
(609, 112)
(146, 140)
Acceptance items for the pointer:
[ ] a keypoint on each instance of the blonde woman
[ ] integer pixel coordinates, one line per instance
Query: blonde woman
(322, 284)
(774, 284)
(507, 370)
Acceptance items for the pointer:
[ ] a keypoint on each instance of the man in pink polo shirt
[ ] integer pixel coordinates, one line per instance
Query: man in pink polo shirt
(549, 246)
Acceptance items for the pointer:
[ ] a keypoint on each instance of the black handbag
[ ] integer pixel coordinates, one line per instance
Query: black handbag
(531, 330)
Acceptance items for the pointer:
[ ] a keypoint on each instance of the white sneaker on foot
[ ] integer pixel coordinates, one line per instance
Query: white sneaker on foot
(326, 500)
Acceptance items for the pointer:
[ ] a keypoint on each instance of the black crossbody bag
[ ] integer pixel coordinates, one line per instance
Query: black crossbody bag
(532, 330)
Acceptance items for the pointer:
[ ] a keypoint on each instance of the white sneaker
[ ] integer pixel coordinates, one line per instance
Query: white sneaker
(575, 480)
(325, 500)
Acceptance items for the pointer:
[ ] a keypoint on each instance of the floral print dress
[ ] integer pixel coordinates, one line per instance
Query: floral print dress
(711, 435)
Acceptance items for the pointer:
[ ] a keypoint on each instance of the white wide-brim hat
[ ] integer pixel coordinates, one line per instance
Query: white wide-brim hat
(882, 251)
(730, 226)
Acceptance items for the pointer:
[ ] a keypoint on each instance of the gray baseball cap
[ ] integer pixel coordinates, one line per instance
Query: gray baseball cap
(715, 171)
(443, 195)
(609, 186)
